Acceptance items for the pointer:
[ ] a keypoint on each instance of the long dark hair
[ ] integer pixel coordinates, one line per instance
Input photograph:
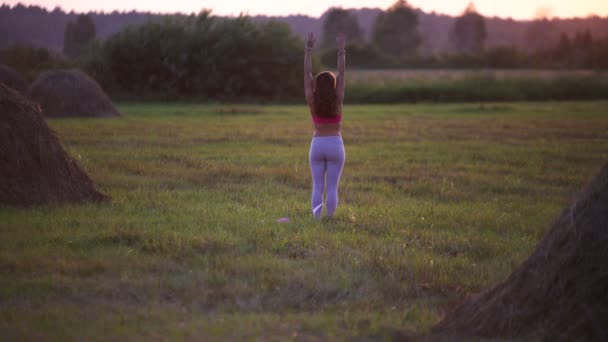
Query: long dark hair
(325, 98)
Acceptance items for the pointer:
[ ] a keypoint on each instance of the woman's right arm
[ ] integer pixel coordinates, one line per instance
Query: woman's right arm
(340, 79)
(308, 79)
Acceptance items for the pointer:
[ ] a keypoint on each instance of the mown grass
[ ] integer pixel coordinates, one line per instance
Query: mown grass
(437, 203)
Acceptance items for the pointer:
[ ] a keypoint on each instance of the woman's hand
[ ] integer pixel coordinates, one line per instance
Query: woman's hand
(310, 41)
(340, 41)
(340, 44)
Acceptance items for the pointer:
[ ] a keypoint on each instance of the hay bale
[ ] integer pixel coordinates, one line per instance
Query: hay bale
(12, 79)
(71, 93)
(561, 291)
(34, 167)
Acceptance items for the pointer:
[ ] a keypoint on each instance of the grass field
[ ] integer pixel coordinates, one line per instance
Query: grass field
(437, 203)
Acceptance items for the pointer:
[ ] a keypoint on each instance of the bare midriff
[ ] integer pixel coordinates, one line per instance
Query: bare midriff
(327, 130)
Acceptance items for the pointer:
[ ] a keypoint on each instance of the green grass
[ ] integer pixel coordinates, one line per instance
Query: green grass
(437, 202)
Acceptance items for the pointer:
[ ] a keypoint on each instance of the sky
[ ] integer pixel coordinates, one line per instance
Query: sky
(517, 9)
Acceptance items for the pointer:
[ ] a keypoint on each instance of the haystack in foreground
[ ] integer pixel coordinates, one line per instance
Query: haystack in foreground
(34, 167)
(71, 93)
(561, 291)
(12, 79)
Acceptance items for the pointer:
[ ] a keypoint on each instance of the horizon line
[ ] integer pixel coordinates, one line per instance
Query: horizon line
(246, 13)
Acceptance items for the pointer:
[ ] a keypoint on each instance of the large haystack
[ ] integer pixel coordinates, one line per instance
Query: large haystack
(34, 167)
(561, 291)
(12, 79)
(71, 93)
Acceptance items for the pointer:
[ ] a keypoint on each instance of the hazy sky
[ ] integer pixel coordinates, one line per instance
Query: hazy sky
(519, 9)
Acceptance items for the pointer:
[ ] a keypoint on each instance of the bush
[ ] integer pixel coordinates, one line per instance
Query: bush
(30, 61)
(480, 89)
(503, 57)
(359, 56)
(202, 57)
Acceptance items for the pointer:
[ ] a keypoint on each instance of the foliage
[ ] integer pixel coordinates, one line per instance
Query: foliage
(30, 61)
(359, 55)
(541, 35)
(79, 36)
(581, 50)
(469, 32)
(338, 20)
(202, 57)
(504, 57)
(41, 27)
(395, 31)
(479, 89)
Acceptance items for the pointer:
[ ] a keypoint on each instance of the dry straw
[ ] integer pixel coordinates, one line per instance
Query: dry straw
(34, 167)
(561, 291)
(71, 93)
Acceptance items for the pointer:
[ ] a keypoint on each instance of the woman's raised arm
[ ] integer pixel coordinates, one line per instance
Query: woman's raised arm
(340, 44)
(308, 79)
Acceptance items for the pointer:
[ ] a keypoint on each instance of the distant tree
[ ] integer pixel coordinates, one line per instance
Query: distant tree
(79, 36)
(602, 54)
(4, 37)
(30, 61)
(583, 40)
(340, 20)
(503, 57)
(542, 33)
(396, 31)
(469, 31)
(563, 51)
(580, 51)
(359, 56)
(583, 49)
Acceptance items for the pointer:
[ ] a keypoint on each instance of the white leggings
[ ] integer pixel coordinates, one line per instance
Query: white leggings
(326, 161)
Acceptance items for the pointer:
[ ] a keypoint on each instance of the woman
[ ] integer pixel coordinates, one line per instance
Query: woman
(324, 95)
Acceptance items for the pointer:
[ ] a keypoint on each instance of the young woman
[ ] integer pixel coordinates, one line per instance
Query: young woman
(324, 95)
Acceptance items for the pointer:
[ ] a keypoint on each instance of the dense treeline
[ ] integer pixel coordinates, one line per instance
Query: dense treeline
(36, 26)
(209, 57)
(396, 43)
(481, 89)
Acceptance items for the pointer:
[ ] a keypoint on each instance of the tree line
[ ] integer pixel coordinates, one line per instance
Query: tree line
(207, 56)
(395, 33)
(395, 41)
(39, 27)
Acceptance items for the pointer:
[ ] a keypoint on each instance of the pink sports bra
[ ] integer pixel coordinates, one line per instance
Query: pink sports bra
(327, 120)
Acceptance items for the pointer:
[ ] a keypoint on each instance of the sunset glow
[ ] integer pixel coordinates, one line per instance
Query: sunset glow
(517, 9)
